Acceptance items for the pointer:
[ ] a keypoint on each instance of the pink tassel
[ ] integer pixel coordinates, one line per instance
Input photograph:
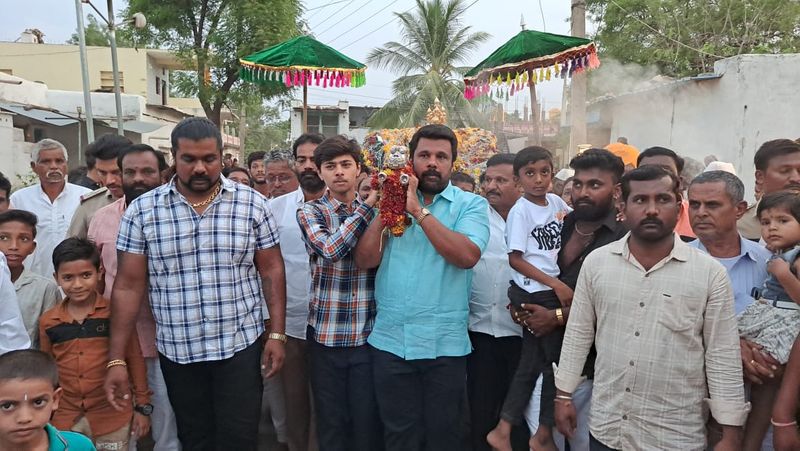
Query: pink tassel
(348, 79)
(303, 78)
(337, 80)
(324, 79)
(287, 79)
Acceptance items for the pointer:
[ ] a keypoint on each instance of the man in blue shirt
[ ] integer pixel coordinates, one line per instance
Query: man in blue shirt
(420, 339)
(716, 202)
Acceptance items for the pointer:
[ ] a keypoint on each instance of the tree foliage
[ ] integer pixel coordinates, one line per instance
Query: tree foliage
(211, 35)
(434, 41)
(96, 33)
(691, 34)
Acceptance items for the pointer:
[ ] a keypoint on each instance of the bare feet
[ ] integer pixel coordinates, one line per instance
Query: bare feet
(499, 438)
(542, 440)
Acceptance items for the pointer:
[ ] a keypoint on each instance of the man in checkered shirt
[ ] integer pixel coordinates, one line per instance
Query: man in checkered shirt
(207, 251)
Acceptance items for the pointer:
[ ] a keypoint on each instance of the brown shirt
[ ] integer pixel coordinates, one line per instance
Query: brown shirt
(81, 353)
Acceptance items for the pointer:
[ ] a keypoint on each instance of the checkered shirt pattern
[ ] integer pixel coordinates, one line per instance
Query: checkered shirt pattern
(205, 290)
(342, 308)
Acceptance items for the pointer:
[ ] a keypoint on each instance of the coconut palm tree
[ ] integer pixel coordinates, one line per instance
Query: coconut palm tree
(434, 42)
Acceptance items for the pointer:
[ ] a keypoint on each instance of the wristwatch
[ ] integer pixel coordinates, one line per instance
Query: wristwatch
(424, 213)
(276, 336)
(144, 409)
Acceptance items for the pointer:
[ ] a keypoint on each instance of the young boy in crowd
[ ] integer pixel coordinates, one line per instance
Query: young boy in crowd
(342, 308)
(29, 394)
(76, 334)
(533, 232)
(35, 294)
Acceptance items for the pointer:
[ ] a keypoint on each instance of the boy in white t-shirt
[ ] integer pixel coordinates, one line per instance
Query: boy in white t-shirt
(533, 233)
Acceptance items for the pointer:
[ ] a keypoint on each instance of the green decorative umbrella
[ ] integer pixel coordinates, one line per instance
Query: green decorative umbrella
(303, 61)
(526, 59)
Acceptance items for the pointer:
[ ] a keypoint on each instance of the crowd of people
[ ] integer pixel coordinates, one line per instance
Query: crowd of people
(611, 305)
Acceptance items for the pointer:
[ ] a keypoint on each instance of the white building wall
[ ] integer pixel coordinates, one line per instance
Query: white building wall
(754, 101)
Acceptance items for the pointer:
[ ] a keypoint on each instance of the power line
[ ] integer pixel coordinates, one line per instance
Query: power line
(392, 20)
(344, 8)
(360, 23)
(662, 34)
(339, 23)
(324, 6)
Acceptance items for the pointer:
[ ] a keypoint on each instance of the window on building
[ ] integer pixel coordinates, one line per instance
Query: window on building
(158, 86)
(107, 81)
(323, 122)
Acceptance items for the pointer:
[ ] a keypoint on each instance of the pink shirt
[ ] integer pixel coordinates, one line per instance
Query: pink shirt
(103, 230)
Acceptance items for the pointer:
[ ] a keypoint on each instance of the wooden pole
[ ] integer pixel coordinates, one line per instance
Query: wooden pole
(305, 108)
(537, 136)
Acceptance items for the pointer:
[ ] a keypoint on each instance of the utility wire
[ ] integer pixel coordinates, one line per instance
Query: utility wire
(362, 22)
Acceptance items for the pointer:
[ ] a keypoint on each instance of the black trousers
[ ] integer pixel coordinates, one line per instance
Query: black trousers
(217, 404)
(597, 445)
(344, 397)
(490, 368)
(537, 357)
(420, 401)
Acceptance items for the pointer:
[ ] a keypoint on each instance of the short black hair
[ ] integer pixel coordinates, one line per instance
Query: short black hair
(227, 171)
(434, 131)
(334, 147)
(139, 148)
(500, 158)
(314, 138)
(462, 177)
(661, 151)
(22, 216)
(73, 249)
(772, 149)
(5, 185)
(531, 154)
(366, 170)
(106, 147)
(28, 364)
(647, 174)
(195, 129)
(786, 200)
(599, 159)
(255, 156)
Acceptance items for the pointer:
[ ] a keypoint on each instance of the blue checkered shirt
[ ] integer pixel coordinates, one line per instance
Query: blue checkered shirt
(205, 291)
(342, 307)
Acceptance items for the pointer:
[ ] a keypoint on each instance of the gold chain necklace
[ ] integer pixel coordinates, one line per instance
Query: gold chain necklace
(212, 197)
(586, 235)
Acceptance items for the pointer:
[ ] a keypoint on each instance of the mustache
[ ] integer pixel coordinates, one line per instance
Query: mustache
(431, 173)
(793, 187)
(653, 221)
(493, 192)
(55, 172)
(199, 178)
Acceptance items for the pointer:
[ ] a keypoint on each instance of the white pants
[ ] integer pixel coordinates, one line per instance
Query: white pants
(581, 399)
(162, 422)
(273, 406)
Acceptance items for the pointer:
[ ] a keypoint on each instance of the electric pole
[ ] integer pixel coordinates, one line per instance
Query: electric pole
(577, 90)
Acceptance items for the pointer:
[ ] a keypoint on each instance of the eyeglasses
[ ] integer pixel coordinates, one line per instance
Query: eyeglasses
(283, 178)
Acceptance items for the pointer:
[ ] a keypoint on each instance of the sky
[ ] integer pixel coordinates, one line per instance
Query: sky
(352, 26)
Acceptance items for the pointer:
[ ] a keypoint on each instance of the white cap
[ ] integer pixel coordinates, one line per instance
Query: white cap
(720, 166)
(565, 173)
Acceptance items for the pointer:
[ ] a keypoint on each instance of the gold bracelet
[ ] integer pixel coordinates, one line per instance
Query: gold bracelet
(276, 336)
(560, 316)
(116, 362)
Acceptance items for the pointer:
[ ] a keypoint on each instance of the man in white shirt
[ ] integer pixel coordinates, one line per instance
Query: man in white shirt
(52, 200)
(13, 335)
(293, 380)
(496, 339)
(661, 316)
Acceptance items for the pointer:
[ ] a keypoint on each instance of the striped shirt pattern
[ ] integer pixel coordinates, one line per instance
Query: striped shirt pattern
(205, 290)
(342, 309)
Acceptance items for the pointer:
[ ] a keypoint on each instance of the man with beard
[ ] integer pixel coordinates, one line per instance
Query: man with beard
(592, 224)
(777, 165)
(280, 173)
(420, 339)
(52, 200)
(104, 150)
(141, 167)
(661, 316)
(258, 172)
(293, 384)
(496, 340)
(202, 237)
